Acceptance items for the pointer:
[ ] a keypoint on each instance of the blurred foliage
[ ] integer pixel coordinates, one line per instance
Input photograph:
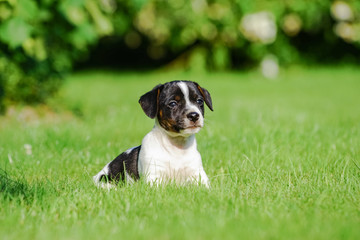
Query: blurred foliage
(40, 40)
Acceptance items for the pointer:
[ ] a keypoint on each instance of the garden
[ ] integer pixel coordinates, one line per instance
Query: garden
(281, 148)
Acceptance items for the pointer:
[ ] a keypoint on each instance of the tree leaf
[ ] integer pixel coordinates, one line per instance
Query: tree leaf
(15, 31)
(27, 9)
(83, 36)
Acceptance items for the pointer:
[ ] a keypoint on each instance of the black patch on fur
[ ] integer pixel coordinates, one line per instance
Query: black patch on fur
(124, 162)
(206, 95)
(149, 101)
(152, 101)
(171, 118)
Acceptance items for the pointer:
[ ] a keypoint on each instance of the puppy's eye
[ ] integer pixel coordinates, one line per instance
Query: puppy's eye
(172, 104)
(200, 101)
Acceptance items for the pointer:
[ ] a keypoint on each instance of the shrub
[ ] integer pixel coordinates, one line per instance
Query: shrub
(245, 29)
(41, 40)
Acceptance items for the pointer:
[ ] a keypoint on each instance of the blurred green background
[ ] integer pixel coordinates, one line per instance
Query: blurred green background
(42, 40)
(282, 148)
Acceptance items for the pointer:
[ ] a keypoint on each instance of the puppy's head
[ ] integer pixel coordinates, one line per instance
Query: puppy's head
(178, 106)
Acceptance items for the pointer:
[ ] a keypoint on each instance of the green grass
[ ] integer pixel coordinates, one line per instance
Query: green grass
(282, 156)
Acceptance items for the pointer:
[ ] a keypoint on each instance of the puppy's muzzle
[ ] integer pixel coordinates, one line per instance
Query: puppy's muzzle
(193, 116)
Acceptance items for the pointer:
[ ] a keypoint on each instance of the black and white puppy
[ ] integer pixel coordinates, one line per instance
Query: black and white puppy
(169, 151)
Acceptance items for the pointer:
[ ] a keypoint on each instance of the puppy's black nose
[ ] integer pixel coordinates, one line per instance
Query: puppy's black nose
(193, 116)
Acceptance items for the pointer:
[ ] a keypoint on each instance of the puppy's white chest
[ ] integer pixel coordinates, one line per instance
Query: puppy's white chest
(160, 160)
(185, 164)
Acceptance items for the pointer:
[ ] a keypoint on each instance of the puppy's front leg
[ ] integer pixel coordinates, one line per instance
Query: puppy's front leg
(152, 177)
(203, 178)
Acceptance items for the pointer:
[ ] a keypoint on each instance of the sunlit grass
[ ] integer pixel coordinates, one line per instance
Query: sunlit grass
(282, 157)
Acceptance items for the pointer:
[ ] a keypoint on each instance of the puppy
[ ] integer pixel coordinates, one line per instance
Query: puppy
(169, 151)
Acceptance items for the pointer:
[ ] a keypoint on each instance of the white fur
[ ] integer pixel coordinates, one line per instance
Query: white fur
(104, 171)
(130, 149)
(96, 178)
(128, 178)
(164, 157)
(189, 106)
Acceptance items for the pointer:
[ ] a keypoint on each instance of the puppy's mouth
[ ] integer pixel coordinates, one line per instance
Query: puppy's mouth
(195, 126)
(191, 129)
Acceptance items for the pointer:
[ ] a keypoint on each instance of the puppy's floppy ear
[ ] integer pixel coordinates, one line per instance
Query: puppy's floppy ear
(206, 95)
(150, 101)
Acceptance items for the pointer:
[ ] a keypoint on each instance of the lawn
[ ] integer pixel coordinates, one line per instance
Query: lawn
(283, 158)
